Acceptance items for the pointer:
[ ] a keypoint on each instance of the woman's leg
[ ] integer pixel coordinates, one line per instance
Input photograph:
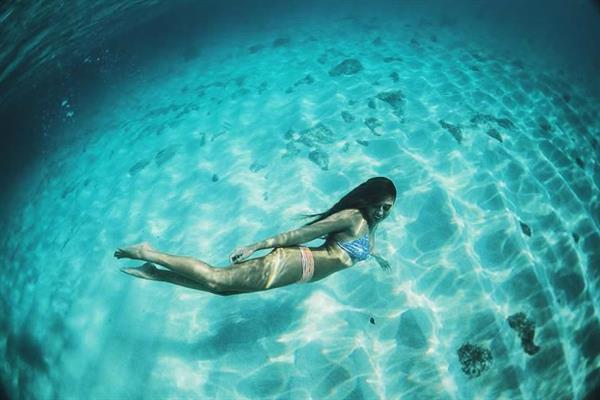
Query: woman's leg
(279, 268)
(150, 272)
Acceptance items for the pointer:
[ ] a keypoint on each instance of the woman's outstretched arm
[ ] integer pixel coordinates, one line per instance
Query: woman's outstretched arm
(334, 223)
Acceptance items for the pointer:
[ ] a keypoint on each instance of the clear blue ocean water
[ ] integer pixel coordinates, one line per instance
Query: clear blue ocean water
(203, 126)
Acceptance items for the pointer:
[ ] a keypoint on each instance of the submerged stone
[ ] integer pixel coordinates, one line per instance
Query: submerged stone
(279, 42)
(318, 133)
(494, 134)
(544, 124)
(525, 228)
(165, 155)
(255, 48)
(505, 123)
(347, 117)
(307, 80)
(454, 130)
(373, 123)
(525, 328)
(394, 98)
(255, 167)
(392, 59)
(349, 66)
(482, 118)
(320, 158)
(474, 359)
(579, 162)
(576, 237)
(140, 165)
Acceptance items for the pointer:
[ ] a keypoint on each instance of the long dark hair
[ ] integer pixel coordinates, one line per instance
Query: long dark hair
(367, 193)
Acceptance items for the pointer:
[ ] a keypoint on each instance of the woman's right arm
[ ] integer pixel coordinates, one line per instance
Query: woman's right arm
(334, 223)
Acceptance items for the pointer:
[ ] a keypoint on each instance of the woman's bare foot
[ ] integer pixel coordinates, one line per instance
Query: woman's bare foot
(146, 271)
(135, 252)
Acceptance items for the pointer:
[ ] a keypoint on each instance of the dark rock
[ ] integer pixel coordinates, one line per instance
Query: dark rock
(544, 124)
(217, 135)
(279, 42)
(320, 158)
(322, 58)
(392, 59)
(519, 64)
(262, 87)
(478, 119)
(140, 165)
(256, 48)
(307, 80)
(255, 167)
(373, 123)
(215, 178)
(526, 331)
(525, 228)
(505, 123)
(372, 320)
(349, 66)
(289, 135)
(394, 98)
(478, 57)
(165, 155)
(580, 162)
(347, 117)
(291, 150)
(474, 359)
(319, 134)
(576, 237)
(454, 130)
(240, 80)
(494, 134)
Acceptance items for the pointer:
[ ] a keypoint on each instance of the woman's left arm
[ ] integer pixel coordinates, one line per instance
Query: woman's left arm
(380, 260)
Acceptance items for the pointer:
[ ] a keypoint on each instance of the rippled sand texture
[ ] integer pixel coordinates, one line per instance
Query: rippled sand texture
(496, 160)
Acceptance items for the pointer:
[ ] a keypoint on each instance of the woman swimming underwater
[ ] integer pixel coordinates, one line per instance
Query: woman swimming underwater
(348, 228)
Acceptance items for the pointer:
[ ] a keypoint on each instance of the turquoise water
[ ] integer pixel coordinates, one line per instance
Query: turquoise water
(491, 141)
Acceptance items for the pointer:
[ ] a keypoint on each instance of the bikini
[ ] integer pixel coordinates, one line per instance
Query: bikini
(357, 249)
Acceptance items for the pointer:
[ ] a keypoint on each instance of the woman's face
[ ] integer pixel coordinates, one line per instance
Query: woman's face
(379, 211)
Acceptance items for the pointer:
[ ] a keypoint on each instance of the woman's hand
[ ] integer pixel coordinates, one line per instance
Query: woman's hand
(382, 263)
(240, 254)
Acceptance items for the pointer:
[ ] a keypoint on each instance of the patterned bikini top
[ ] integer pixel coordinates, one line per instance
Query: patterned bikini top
(357, 249)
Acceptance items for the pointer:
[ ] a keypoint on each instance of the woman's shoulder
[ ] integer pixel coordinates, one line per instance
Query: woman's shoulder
(351, 214)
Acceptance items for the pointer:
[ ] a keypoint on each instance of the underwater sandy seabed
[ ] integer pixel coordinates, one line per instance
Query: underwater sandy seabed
(494, 240)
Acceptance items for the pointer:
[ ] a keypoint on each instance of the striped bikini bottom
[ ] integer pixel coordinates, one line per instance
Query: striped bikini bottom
(308, 264)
